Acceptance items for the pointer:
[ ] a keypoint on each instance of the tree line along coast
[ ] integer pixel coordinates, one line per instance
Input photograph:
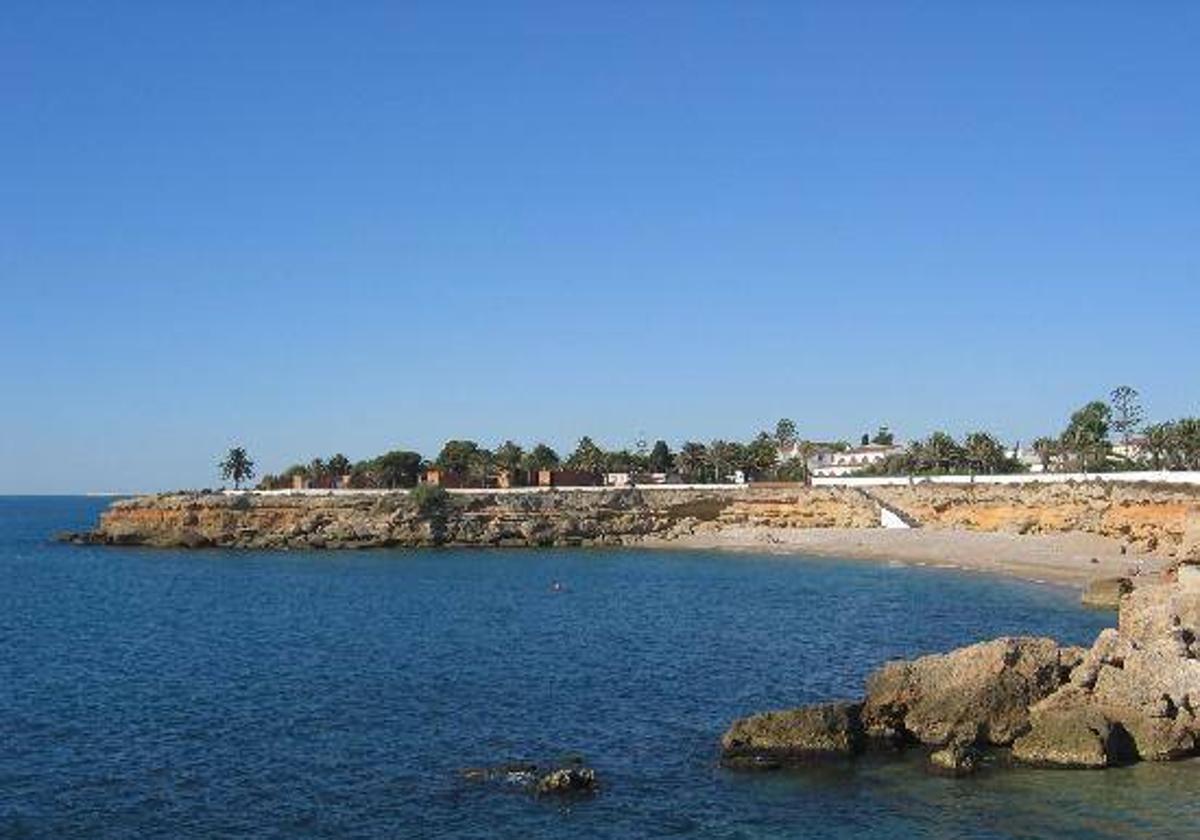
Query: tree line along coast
(1101, 436)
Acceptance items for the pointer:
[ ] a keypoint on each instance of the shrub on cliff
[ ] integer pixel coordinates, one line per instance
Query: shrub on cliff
(430, 501)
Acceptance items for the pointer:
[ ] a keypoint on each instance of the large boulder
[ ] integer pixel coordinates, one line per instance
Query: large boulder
(977, 694)
(1067, 730)
(1133, 694)
(1154, 612)
(796, 735)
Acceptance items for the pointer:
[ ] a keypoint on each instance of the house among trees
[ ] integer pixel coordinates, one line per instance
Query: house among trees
(835, 464)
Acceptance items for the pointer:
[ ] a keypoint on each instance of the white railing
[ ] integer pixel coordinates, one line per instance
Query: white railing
(1158, 476)
(478, 491)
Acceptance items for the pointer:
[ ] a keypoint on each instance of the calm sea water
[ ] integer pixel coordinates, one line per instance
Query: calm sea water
(164, 694)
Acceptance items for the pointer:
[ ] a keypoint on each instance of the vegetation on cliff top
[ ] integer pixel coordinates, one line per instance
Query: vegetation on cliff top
(1086, 444)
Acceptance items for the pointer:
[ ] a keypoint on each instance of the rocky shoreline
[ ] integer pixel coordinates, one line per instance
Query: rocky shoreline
(532, 519)
(1163, 520)
(1134, 695)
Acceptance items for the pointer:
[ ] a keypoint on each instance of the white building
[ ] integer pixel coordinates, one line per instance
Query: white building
(850, 461)
(826, 461)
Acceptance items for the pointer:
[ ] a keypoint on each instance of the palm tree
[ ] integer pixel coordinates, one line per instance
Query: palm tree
(721, 456)
(338, 466)
(541, 457)
(237, 466)
(508, 457)
(587, 457)
(943, 452)
(691, 459)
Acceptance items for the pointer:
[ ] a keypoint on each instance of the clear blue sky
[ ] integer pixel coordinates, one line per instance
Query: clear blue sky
(312, 227)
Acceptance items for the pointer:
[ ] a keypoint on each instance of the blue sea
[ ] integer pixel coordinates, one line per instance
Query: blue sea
(148, 693)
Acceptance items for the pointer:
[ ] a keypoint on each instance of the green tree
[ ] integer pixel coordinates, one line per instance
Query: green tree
(621, 461)
(722, 457)
(541, 457)
(1160, 438)
(237, 466)
(398, 468)
(761, 454)
(660, 459)
(338, 466)
(1086, 435)
(1126, 412)
(318, 472)
(983, 453)
(458, 456)
(692, 461)
(509, 457)
(883, 437)
(1186, 442)
(785, 433)
(587, 457)
(942, 453)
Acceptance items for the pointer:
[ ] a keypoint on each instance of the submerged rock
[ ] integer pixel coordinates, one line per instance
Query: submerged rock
(1106, 593)
(567, 780)
(772, 739)
(530, 778)
(518, 772)
(955, 760)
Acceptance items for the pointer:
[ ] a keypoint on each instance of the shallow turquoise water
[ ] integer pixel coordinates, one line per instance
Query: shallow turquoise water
(161, 694)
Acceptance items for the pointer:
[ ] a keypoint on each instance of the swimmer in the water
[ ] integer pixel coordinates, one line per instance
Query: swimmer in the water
(556, 587)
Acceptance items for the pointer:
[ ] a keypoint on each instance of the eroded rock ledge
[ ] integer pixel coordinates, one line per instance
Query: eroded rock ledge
(564, 517)
(1133, 695)
(1165, 519)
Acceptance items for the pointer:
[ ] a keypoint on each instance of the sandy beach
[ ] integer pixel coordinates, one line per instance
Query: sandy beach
(1064, 559)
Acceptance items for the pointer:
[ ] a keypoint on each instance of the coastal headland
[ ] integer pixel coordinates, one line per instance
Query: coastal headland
(1061, 532)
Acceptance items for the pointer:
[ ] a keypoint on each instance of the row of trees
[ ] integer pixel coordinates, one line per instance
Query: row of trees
(1174, 445)
(979, 453)
(1086, 443)
(694, 462)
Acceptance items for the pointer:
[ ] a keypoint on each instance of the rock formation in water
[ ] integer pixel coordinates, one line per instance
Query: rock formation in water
(1133, 695)
(812, 732)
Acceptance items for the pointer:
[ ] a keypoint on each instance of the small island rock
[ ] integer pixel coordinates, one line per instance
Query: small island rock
(567, 780)
(794, 735)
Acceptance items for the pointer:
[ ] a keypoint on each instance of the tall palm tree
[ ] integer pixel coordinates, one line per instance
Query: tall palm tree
(237, 466)
(691, 459)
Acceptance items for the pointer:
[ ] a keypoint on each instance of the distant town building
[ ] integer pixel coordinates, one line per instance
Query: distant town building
(835, 464)
(1134, 450)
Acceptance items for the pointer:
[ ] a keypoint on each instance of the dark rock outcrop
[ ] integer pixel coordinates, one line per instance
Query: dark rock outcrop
(773, 739)
(955, 760)
(573, 778)
(1133, 695)
(567, 780)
